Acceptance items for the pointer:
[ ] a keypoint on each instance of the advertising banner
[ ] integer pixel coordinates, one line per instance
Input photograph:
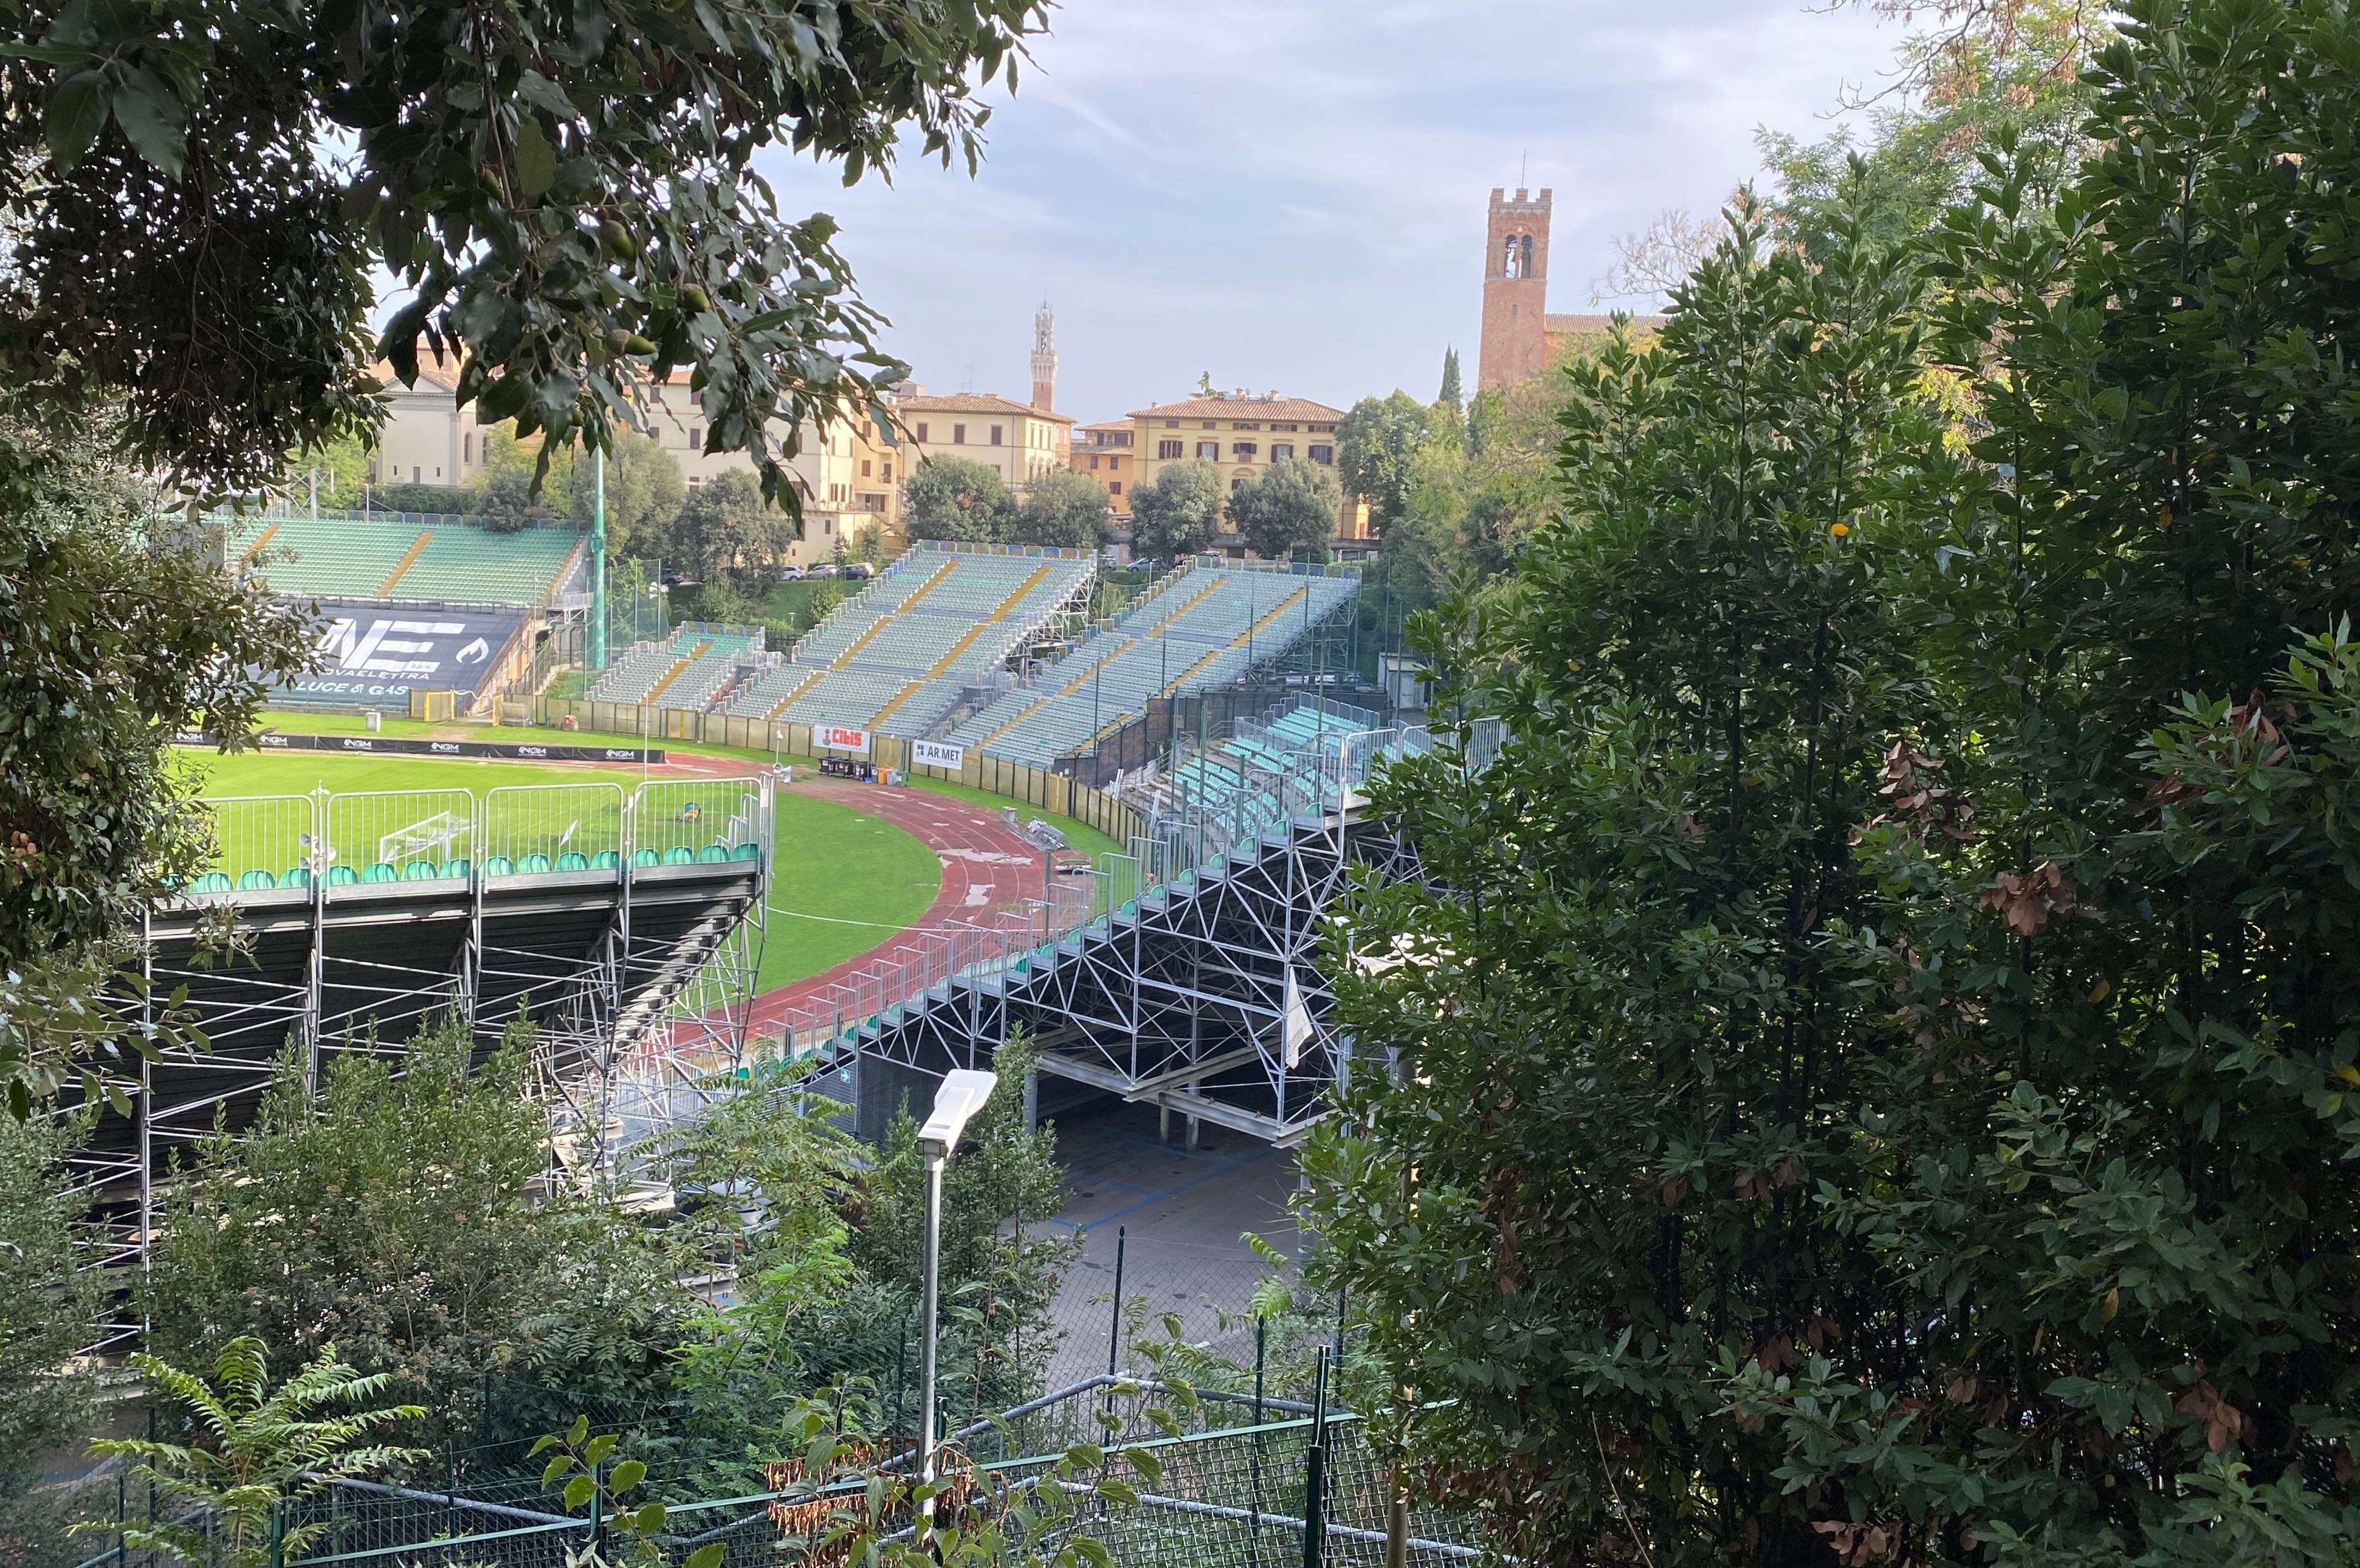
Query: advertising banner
(386, 746)
(936, 754)
(375, 655)
(835, 738)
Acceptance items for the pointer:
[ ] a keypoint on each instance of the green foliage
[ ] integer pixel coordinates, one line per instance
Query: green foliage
(455, 500)
(956, 498)
(645, 492)
(505, 503)
(1887, 1086)
(725, 525)
(50, 1305)
(109, 644)
(567, 197)
(995, 1288)
(403, 1218)
(1175, 514)
(1376, 444)
(843, 1506)
(2011, 70)
(256, 1450)
(1061, 508)
(1450, 396)
(1291, 505)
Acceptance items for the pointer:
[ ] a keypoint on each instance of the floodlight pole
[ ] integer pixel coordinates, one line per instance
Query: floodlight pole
(599, 562)
(963, 1092)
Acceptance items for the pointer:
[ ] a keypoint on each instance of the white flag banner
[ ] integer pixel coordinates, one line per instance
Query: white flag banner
(936, 754)
(1294, 1030)
(838, 738)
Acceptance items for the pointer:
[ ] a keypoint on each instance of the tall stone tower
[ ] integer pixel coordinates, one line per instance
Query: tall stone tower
(1516, 289)
(1045, 360)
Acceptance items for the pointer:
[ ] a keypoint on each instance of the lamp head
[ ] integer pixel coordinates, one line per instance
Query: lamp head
(963, 1092)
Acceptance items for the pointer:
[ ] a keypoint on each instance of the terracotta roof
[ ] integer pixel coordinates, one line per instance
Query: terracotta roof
(1110, 425)
(1297, 408)
(1599, 323)
(975, 403)
(446, 375)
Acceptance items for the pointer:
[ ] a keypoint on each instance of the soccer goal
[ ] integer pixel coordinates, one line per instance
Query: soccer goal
(433, 837)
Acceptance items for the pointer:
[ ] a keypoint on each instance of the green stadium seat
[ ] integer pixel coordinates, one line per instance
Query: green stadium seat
(457, 867)
(256, 882)
(420, 871)
(342, 877)
(211, 882)
(574, 860)
(606, 860)
(746, 852)
(680, 854)
(379, 872)
(531, 864)
(713, 854)
(646, 858)
(296, 876)
(499, 866)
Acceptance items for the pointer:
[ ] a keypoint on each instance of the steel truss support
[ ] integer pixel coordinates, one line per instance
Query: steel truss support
(1177, 1000)
(637, 975)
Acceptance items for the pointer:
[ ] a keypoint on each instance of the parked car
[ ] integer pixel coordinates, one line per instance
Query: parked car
(822, 570)
(858, 570)
(790, 573)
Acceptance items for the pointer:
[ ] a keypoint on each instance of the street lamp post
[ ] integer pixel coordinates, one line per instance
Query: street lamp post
(963, 1091)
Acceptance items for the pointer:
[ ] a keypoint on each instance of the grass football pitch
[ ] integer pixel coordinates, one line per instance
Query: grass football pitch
(842, 880)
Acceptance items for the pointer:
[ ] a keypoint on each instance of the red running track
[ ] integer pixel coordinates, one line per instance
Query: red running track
(985, 868)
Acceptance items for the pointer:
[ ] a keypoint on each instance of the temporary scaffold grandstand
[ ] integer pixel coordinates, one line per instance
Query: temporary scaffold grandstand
(1203, 626)
(1179, 972)
(899, 657)
(404, 556)
(627, 926)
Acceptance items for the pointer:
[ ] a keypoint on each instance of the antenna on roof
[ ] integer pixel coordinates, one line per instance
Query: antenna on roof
(1523, 161)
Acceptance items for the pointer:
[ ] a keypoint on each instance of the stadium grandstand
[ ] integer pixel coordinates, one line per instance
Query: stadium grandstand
(927, 636)
(406, 557)
(1200, 627)
(414, 604)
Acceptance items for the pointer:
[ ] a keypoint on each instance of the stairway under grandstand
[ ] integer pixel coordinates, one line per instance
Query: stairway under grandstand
(1167, 978)
(627, 928)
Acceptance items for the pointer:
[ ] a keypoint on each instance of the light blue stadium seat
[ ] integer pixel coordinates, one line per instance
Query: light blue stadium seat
(499, 866)
(256, 882)
(574, 860)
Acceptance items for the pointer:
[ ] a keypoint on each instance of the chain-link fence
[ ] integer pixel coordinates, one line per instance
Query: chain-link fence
(1234, 1497)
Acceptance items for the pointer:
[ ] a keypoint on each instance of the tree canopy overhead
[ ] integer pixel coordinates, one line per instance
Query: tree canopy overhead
(1884, 1085)
(566, 193)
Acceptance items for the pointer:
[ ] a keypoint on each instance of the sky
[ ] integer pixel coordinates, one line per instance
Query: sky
(1289, 194)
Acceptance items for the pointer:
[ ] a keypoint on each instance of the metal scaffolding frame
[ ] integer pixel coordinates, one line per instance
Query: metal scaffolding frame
(1170, 981)
(631, 947)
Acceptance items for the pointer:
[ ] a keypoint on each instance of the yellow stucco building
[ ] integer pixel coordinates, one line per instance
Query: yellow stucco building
(1241, 435)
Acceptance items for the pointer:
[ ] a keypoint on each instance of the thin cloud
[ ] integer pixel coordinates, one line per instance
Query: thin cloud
(1293, 195)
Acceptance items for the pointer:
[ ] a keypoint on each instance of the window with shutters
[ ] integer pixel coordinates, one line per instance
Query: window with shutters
(995, 440)
(1323, 454)
(1281, 450)
(1167, 450)
(1212, 450)
(921, 435)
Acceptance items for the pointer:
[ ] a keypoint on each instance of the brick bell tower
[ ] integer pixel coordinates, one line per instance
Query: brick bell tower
(1516, 289)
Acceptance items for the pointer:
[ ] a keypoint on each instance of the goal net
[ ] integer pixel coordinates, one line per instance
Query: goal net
(434, 836)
